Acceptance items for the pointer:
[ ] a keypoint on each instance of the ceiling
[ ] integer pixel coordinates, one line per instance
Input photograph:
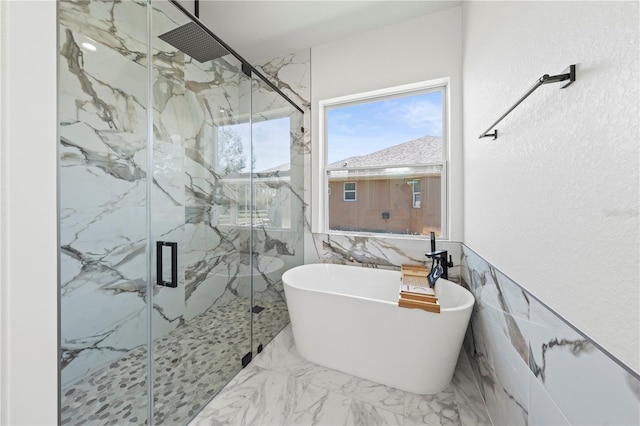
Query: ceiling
(263, 29)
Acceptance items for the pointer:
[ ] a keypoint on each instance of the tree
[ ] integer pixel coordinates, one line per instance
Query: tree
(231, 158)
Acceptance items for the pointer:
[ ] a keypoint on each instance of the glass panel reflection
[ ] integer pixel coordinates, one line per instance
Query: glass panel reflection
(177, 218)
(277, 218)
(102, 172)
(201, 328)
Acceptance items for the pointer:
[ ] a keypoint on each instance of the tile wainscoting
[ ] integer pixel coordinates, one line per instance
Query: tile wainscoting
(532, 366)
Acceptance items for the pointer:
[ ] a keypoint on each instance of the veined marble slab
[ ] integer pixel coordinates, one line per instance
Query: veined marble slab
(533, 367)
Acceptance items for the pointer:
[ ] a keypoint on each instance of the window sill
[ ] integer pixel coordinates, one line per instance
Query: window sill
(379, 235)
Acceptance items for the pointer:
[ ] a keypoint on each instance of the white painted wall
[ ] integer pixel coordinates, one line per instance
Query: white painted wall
(190, 5)
(424, 48)
(28, 311)
(553, 202)
(1, 215)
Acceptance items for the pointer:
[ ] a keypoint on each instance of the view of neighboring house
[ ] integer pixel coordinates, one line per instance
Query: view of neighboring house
(394, 190)
(268, 206)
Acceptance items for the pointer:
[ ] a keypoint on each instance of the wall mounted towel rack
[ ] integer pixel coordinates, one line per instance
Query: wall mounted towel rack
(568, 75)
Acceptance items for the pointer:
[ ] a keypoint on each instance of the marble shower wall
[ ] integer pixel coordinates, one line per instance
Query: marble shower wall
(292, 75)
(532, 367)
(194, 197)
(103, 172)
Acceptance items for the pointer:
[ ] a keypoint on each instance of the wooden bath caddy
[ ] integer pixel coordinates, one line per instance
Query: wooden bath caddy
(415, 291)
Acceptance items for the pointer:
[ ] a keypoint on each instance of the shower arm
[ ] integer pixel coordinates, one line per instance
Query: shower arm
(567, 74)
(246, 66)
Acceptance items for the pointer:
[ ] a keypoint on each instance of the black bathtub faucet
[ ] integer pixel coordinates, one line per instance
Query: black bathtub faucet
(440, 264)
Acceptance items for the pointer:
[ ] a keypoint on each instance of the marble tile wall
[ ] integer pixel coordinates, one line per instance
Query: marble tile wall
(104, 174)
(292, 75)
(534, 368)
(102, 171)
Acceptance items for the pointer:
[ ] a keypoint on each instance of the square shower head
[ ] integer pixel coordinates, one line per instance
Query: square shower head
(194, 41)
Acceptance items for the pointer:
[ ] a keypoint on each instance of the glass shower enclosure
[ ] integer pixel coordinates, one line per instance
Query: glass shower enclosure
(180, 188)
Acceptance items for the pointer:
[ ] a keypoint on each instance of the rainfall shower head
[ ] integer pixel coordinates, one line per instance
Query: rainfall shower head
(195, 42)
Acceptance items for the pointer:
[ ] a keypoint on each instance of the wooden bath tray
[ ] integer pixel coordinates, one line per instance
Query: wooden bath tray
(414, 275)
(426, 306)
(415, 291)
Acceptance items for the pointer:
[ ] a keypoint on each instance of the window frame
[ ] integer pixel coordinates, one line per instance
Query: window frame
(354, 190)
(320, 222)
(243, 182)
(412, 183)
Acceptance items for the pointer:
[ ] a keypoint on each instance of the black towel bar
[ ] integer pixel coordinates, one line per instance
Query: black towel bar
(568, 75)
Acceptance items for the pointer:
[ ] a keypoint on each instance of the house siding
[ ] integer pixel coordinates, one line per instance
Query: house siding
(394, 196)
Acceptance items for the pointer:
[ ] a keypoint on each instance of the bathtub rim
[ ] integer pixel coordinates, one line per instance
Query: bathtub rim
(468, 303)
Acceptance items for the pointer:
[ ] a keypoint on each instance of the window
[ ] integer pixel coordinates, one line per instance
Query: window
(392, 146)
(252, 161)
(349, 191)
(415, 192)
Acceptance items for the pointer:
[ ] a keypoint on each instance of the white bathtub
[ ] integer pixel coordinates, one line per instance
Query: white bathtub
(347, 318)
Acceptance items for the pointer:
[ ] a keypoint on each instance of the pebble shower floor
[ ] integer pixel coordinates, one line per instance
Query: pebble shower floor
(191, 365)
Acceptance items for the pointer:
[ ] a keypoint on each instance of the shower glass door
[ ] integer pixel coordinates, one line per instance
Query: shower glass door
(180, 188)
(201, 149)
(277, 222)
(102, 173)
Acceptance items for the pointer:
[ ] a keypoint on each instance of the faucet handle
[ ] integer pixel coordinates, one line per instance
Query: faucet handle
(435, 253)
(449, 262)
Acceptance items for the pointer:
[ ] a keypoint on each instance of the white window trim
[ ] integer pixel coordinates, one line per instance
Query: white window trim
(412, 182)
(354, 190)
(320, 212)
(243, 181)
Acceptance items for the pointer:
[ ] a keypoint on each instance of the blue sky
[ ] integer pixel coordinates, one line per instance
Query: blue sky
(365, 128)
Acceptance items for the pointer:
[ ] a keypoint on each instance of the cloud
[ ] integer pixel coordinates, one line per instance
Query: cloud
(368, 127)
(422, 111)
(423, 115)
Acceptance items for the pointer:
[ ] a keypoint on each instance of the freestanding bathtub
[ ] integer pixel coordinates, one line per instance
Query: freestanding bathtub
(347, 318)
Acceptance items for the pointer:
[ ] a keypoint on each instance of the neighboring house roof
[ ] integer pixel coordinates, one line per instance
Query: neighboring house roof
(427, 149)
(424, 150)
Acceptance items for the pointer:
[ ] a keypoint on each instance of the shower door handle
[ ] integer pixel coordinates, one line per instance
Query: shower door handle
(174, 264)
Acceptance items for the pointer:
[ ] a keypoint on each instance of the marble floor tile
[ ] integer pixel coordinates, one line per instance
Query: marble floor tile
(234, 400)
(381, 396)
(283, 357)
(436, 409)
(273, 401)
(281, 387)
(320, 407)
(470, 404)
(278, 349)
(336, 381)
(363, 414)
(463, 358)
